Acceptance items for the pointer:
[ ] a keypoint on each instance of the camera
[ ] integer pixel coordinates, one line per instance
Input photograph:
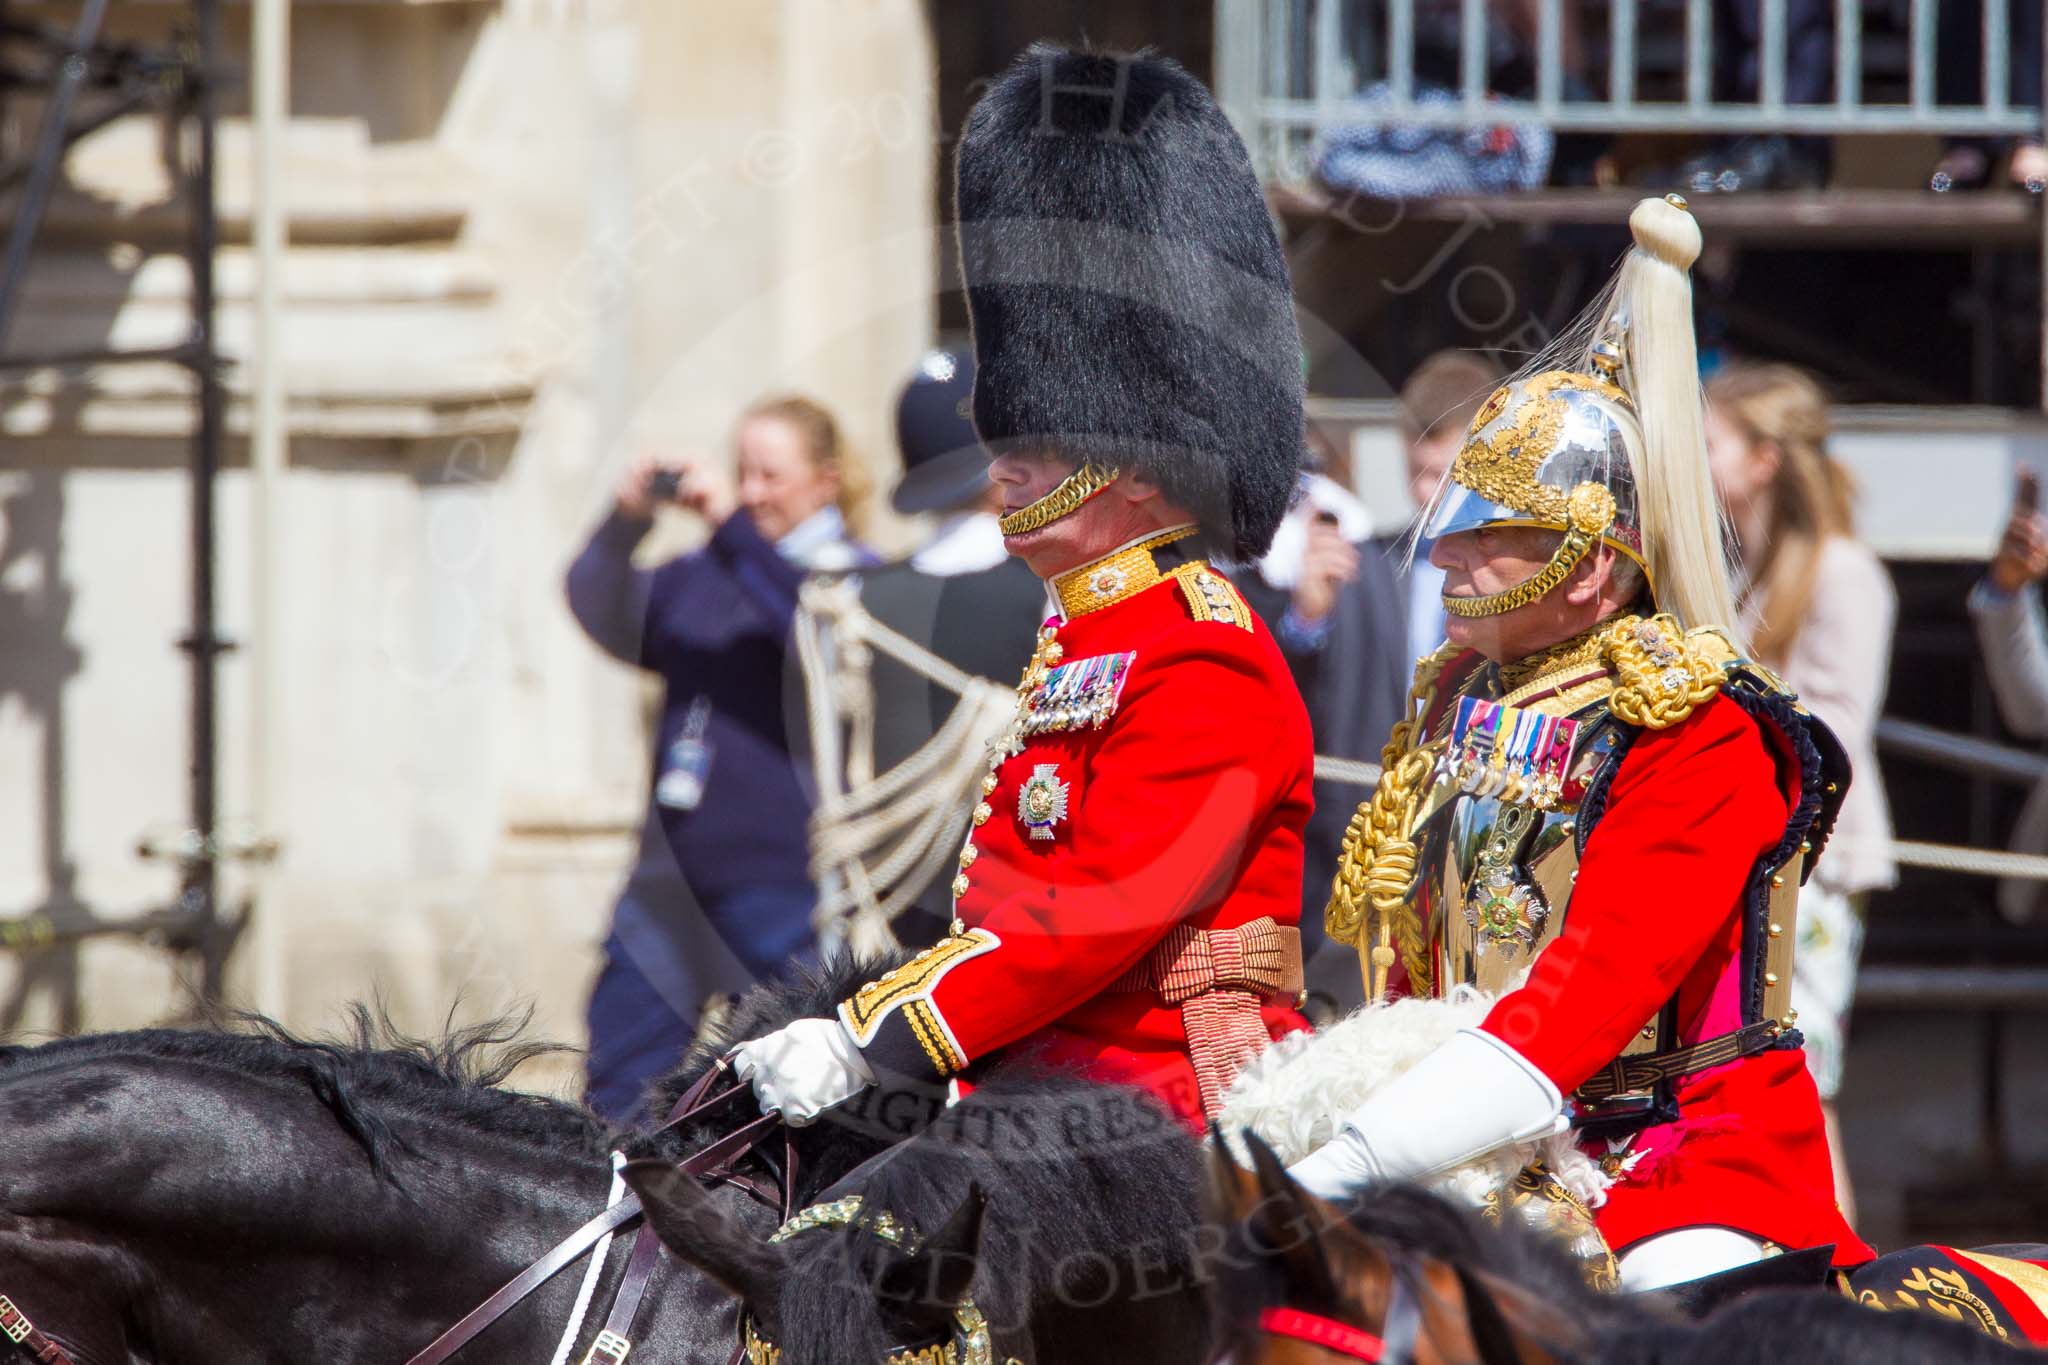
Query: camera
(662, 487)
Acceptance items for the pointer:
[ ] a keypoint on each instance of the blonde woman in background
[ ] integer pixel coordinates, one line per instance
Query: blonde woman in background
(1817, 607)
(720, 893)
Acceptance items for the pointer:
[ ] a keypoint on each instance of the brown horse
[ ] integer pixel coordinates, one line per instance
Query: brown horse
(1294, 1281)
(1406, 1278)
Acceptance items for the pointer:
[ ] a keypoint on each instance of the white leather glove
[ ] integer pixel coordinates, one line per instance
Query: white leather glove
(803, 1069)
(1471, 1095)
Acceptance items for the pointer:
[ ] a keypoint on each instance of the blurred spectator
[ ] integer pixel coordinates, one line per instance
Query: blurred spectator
(1818, 608)
(1967, 163)
(1771, 161)
(960, 595)
(724, 842)
(2006, 607)
(1330, 600)
(1437, 404)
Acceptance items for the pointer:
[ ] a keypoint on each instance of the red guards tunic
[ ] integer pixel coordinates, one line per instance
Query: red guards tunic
(1158, 776)
(1653, 913)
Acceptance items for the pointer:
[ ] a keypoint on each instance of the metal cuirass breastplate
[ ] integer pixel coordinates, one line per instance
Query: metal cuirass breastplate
(1495, 877)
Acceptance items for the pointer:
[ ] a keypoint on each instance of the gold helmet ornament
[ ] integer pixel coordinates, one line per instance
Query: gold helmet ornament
(1553, 451)
(1603, 442)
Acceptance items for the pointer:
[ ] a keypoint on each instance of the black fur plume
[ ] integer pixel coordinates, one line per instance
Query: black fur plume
(1130, 301)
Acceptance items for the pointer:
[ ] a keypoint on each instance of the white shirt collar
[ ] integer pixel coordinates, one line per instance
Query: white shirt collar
(818, 541)
(966, 542)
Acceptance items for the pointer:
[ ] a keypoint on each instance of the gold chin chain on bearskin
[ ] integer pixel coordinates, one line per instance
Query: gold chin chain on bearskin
(970, 1343)
(1079, 486)
(1590, 511)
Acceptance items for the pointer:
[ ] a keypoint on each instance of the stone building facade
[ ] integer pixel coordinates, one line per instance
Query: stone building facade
(529, 238)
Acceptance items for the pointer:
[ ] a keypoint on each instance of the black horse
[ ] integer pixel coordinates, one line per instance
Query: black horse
(1063, 1213)
(216, 1198)
(229, 1198)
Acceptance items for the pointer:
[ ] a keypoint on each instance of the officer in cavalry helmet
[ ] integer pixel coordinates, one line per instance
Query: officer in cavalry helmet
(1598, 809)
(1128, 889)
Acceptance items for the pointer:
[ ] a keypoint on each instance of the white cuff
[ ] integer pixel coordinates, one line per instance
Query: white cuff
(1471, 1095)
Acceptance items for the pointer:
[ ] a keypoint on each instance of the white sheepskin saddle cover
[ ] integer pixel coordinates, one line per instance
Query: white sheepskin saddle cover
(1296, 1093)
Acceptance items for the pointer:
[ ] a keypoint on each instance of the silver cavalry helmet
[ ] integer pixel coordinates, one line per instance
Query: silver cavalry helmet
(1556, 451)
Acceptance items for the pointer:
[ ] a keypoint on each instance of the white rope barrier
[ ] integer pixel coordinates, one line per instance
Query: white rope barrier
(879, 839)
(1970, 862)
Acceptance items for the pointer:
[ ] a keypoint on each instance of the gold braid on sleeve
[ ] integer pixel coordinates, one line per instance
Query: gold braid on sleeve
(1376, 863)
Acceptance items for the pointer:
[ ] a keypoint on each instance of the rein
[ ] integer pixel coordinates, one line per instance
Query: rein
(15, 1327)
(614, 1341)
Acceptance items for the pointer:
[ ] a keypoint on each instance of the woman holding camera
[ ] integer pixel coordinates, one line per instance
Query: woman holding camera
(719, 896)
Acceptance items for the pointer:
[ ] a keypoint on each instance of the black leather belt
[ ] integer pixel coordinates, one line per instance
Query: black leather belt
(1640, 1072)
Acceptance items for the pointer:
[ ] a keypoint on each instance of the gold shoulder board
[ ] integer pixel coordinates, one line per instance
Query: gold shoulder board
(1212, 597)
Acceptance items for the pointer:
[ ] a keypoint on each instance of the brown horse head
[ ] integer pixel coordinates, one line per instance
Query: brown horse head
(1298, 1282)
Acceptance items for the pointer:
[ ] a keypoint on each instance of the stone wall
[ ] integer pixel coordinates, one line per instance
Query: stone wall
(529, 240)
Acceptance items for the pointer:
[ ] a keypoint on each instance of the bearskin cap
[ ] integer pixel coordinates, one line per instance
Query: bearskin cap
(1129, 300)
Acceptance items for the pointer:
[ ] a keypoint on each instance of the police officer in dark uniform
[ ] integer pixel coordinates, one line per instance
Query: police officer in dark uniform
(960, 595)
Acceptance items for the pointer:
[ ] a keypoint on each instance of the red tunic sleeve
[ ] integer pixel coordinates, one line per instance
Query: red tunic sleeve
(1689, 812)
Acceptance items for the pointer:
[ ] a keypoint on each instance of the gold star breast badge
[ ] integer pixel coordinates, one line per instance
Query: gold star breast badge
(1042, 800)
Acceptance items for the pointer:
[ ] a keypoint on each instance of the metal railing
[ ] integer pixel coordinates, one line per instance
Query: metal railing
(1287, 70)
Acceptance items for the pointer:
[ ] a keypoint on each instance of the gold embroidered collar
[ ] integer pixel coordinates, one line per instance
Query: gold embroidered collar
(1124, 572)
(1574, 659)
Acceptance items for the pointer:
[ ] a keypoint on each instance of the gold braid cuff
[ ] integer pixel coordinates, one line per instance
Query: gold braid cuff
(1079, 486)
(1376, 864)
(1590, 510)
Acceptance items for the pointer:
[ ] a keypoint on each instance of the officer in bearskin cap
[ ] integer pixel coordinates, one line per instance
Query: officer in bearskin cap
(1128, 889)
(1598, 808)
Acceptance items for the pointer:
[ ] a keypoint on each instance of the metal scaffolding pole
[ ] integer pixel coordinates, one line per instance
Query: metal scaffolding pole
(187, 80)
(199, 896)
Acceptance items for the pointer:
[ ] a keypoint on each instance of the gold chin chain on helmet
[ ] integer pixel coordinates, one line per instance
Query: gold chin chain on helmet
(1590, 511)
(1079, 486)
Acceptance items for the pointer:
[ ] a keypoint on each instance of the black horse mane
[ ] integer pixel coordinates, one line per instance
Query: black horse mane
(374, 1073)
(1415, 1219)
(369, 1075)
(1091, 1196)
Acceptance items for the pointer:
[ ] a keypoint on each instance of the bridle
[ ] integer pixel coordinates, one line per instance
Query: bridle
(1395, 1343)
(1340, 1338)
(1402, 1329)
(715, 1161)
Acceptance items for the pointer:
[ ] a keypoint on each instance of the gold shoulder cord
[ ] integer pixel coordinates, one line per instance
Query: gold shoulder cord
(1663, 674)
(1376, 863)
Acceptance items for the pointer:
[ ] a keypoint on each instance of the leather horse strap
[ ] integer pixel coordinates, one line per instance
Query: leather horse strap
(615, 1340)
(1398, 1336)
(1340, 1338)
(645, 1247)
(15, 1327)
